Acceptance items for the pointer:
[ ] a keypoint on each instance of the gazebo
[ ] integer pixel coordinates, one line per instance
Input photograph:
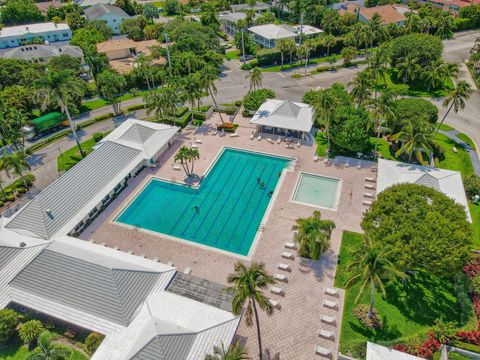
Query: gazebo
(284, 118)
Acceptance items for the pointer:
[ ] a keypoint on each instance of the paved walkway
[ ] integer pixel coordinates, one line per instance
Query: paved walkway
(452, 134)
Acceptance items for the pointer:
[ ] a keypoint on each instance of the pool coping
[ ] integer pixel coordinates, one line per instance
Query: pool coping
(337, 195)
(289, 168)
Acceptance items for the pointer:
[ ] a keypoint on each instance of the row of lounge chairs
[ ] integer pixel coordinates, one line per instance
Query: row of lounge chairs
(327, 321)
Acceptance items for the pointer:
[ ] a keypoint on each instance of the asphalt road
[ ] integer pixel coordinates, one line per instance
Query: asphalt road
(233, 85)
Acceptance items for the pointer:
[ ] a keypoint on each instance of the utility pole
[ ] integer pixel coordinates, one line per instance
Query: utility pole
(167, 40)
(301, 28)
(243, 48)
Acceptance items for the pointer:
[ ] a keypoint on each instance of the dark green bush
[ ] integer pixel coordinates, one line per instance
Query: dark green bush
(199, 115)
(254, 99)
(424, 47)
(21, 190)
(9, 320)
(348, 130)
(136, 107)
(268, 57)
(472, 185)
(230, 111)
(97, 137)
(413, 108)
(10, 198)
(93, 341)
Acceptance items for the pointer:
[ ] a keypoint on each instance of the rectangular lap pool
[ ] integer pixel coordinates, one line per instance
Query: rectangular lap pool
(224, 212)
(317, 190)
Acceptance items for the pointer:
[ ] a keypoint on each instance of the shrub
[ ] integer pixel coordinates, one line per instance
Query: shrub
(424, 47)
(227, 127)
(199, 115)
(8, 322)
(2, 203)
(268, 57)
(246, 67)
(136, 107)
(254, 99)
(230, 111)
(30, 330)
(413, 108)
(348, 130)
(93, 341)
(21, 190)
(97, 137)
(472, 185)
(361, 313)
(10, 198)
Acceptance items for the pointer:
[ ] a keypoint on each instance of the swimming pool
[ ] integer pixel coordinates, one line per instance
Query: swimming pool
(224, 212)
(317, 190)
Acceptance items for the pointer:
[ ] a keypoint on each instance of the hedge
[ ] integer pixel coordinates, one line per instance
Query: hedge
(95, 119)
(268, 57)
(199, 115)
(136, 107)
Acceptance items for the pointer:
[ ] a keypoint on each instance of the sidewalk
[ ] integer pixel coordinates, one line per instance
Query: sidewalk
(452, 134)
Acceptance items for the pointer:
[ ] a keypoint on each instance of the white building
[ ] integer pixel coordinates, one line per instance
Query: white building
(112, 15)
(268, 35)
(379, 352)
(144, 308)
(42, 53)
(447, 181)
(284, 118)
(229, 21)
(49, 32)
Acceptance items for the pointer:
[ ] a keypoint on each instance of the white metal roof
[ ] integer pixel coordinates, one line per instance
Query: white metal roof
(306, 29)
(39, 28)
(272, 32)
(87, 3)
(447, 181)
(284, 114)
(379, 352)
(232, 16)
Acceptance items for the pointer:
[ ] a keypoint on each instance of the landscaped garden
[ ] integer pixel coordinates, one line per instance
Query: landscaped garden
(30, 335)
(72, 156)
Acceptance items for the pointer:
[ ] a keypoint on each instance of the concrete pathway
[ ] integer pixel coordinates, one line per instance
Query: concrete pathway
(452, 134)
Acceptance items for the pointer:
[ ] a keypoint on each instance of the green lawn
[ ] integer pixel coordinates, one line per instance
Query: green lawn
(446, 127)
(71, 157)
(475, 212)
(298, 64)
(17, 352)
(321, 144)
(98, 103)
(408, 309)
(392, 82)
(467, 140)
(459, 161)
(232, 55)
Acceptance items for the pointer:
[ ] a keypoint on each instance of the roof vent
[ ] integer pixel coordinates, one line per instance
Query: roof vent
(49, 213)
(23, 244)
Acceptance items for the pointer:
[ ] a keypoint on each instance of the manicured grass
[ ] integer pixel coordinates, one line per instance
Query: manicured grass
(410, 308)
(232, 55)
(21, 352)
(98, 103)
(459, 161)
(467, 140)
(297, 64)
(475, 212)
(383, 148)
(395, 84)
(72, 156)
(446, 127)
(321, 139)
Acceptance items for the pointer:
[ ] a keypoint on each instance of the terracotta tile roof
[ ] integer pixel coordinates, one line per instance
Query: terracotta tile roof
(44, 5)
(388, 13)
(119, 44)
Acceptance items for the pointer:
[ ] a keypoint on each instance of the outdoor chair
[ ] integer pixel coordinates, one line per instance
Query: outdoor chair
(290, 245)
(323, 351)
(370, 179)
(315, 158)
(187, 271)
(270, 141)
(276, 290)
(252, 137)
(280, 277)
(369, 195)
(367, 202)
(330, 304)
(328, 319)
(331, 292)
(287, 255)
(284, 267)
(325, 334)
(194, 146)
(370, 186)
(259, 137)
(234, 135)
(275, 304)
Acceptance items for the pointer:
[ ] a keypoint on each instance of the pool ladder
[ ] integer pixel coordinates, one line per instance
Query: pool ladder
(261, 227)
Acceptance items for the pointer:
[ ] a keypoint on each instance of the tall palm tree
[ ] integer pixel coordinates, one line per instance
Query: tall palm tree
(371, 267)
(456, 100)
(193, 89)
(182, 157)
(284, 46)
(313, 234)
(377, 66)
(247, 285)
(375, 27)
(163, 102)
(328, 42)
(46, 350)
(324, 106)
(193, 155)
(449, 71)
(208, 76)
(60, 88)
(190, 60)
(361, 85)
(255, 78)
(408, 68)
(234, 352)
(416, 136)
(434, 74)
(144, 66)
(15, 163)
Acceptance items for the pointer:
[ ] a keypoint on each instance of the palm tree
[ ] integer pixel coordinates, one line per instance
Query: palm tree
(456, 100)
(192, 88)
(208, 76)
(234, 352)
(449, 71)
(144, 66)
(371, 267)
(163, 102)
(48, 351)
(190, 60)
(377, 66)
(382, 110)
(375, 27)
(182, 157)
(313, 234)
(255, 78)
(248, 283)
(285, 45)
(445, 25)
(324, 106)
(362, 84)
(60, 88)
(417, 136)
(29, 331)
(408, 68)
(193, 155)
(15, 163)
(329, 41)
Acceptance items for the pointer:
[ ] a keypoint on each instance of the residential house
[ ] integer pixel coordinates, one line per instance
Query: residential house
(44, 5)
(259, 7)
(268, 35)
(390, 13)
(42, 53)
(49, 32)
(87, 3)
(122, 53)
(452, 6)
(112, 15)
(229, 21)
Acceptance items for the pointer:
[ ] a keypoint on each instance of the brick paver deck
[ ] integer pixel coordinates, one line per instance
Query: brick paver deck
(292, 332)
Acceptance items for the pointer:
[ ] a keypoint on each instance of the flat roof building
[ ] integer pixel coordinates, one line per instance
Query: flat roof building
(49, 32)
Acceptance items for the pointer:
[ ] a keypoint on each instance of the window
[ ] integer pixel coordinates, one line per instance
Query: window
(65, 34)
(105, 199)
(114, 20)
(93, 212)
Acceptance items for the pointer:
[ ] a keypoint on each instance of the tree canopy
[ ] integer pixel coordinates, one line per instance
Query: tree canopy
(17, 12)
(254, 99)
(425, 48)
(421, 228)
(349, 129)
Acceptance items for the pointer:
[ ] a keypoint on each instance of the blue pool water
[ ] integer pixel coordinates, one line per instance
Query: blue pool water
(231, 203)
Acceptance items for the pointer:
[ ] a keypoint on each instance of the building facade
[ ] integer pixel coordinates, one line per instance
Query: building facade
(45, 33)
(112, 15)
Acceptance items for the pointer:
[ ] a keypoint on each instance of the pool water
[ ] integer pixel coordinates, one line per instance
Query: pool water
(317, 190)
(224, 212)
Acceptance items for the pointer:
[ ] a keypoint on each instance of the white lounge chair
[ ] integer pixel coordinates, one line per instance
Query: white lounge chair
(367, 202)
(325, 161)
(371, 179)
(330, 304)
(176, 167)
(287, 255)
(276, 290)
(299, 144)
(234, 135)
(332, 292)
(259, 137)
(280, 277)
(369, 195)
(323, 351)
(279, 140)
(270, 141)
(198, 141)
(315, 158)
(325, 334)
(370, 186)
(215, 132)
(252, 137)
(328, 319)
(347, 164)
(290, 245)
(274, 304)
(284, 267)
(194, 146)
(187, 271)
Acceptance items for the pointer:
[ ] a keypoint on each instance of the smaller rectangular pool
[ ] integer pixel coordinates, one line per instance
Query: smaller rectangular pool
(316, 190)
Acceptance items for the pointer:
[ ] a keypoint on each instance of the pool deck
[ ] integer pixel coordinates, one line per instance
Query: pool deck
(292, 331)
